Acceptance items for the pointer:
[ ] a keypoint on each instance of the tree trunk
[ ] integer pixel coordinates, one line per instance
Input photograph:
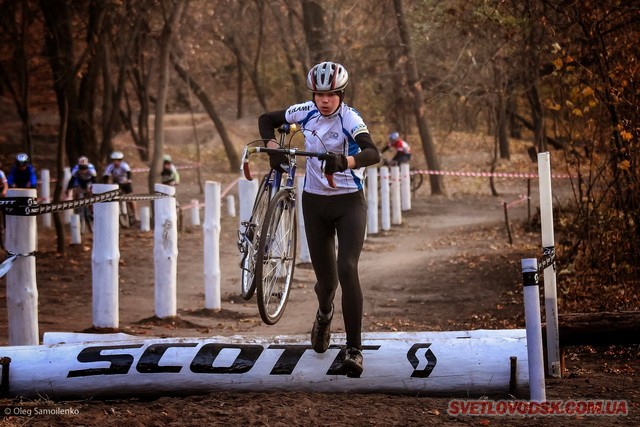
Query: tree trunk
(415, 87)
(240, 95)
(537, 113)
(234, 161)
(501, 109)
(164, 43)
(313, 16)
(57, 193)
(605, 328)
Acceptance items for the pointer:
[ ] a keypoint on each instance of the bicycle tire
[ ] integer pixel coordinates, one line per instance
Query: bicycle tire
(260, 205)
(416, 183)
(124, 217)
(275, 260)
(88, 218)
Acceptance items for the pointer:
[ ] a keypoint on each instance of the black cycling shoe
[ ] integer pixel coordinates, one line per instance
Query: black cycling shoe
(321, 331)
(352, 363)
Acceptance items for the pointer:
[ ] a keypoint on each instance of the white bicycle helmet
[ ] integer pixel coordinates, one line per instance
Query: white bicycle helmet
(327, 77)
(83, 161)
(117, 155)
(166, 158)
(394, 136)
(22, 158)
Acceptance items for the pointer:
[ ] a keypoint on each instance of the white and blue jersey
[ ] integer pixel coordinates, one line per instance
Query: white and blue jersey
(333, 134)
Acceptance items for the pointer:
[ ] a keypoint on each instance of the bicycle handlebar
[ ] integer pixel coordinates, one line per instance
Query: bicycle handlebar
(288, 151)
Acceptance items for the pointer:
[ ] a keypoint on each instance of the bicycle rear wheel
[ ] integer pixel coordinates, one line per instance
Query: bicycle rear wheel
(416, 182)
(275, 260)
(252, 237)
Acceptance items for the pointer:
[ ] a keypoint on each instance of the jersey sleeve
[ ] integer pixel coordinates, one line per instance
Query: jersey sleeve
(354, 124)
(297, 113)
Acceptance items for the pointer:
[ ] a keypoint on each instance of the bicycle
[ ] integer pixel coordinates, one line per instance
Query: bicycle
(85, 212)
(269, 239)
(126, 216)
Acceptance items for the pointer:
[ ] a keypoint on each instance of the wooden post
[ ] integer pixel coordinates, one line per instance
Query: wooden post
(533, 324)
(195, 213)
(372, 200)
(385, 206)
(76, 235)
(22, 289)
(145, 218)
(105, 259)
(548, 246)
(211, 251)
(305, 256)
(405, 186)
(396, 211)
(231, 206)
(165, 252)
(45, 195)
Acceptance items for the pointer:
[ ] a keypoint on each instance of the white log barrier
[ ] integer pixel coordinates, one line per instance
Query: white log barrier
(145, 218)
(76, 232)
(305, 256)
(405, 187)
(165, 252)
(22, 290)
(548, 247)
(533, 324)
(195, 213)
(396, 211)
(372, 200)
(211, 230)
(45, 195)
(66, 214)
(461, 363)
(385, 203)
(105, 259)
(231, 206)
(247, 192)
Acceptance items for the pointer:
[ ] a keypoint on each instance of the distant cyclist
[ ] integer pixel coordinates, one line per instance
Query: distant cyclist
(401, 147)
(22, 174)
(82, 175)
(119, 172)
(169, 174)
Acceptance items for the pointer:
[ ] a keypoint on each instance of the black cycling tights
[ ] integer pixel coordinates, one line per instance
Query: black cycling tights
(346, 215)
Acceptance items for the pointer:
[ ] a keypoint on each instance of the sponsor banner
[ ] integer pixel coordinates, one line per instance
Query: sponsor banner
(467, 362)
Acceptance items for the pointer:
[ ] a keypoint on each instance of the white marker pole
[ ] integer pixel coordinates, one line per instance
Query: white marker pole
(22, 289)
(302, 234)
(396, 211)
(231, 206)
(548, 247)
(105, 259)
(76, 235)
(195, 213)
(211, 251)
(145, 218)
(66, 214)
(45, 195)
(385, 206)
(372, 200)
(165, 252)
(533, 324)
(247, 192)
(405, 186)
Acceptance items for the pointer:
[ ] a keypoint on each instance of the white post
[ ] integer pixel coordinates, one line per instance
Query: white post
(302, 234)
(22, 289)
(145, 218)
(76, 235)
(396, 211)
(105, 259)
(231, 206)
(385, 206)
(211, 251)
(195, 213)
(548, 246)
(533, 324)
(165, 252)
(405, 186)
(66, 214)
(45, 195)
(247, 192)
(372, 200)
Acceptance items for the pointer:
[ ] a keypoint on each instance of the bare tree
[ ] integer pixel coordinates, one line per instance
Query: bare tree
(415, 88)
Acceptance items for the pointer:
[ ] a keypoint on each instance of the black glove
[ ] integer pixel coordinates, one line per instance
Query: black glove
(278, 159)
(334, 163)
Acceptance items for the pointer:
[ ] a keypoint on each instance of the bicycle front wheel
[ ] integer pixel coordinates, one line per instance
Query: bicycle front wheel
(276, 256)
(252, 237)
